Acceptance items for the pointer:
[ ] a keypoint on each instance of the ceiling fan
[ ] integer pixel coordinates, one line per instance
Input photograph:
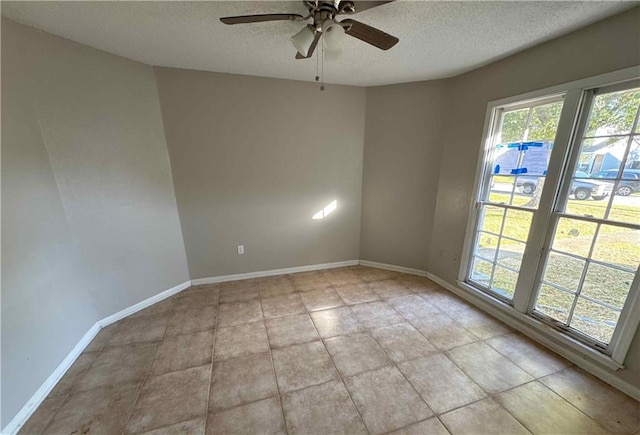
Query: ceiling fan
(324, 15)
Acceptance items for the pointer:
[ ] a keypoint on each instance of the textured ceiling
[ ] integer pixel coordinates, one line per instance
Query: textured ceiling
(437, 39)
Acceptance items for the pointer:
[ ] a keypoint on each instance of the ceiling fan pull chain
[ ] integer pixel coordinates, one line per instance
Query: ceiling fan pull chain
(322, 69)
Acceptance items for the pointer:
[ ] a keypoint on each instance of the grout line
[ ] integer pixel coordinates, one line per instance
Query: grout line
(273, 367)
(213, 347)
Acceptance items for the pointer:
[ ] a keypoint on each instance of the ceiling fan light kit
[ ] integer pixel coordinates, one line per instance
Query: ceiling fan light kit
(323, 14)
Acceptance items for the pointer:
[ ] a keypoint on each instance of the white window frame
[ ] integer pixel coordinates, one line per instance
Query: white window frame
(521, 307)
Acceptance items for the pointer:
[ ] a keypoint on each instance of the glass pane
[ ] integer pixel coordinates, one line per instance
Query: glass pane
(487, 245)
(563, 271)
(607, 285)
(618, 246)
(554, 303)
(504, 281)
(594, 320)
(514, 124)
(574, 236)
(492, 219)
(586, 207)
(544, 122)
(510, 253)
(501, 189)
(481, 271)
(517, 224)
(613, 113)
(626, 203)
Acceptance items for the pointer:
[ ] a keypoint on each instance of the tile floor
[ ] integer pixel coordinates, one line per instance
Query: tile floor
(350, 350)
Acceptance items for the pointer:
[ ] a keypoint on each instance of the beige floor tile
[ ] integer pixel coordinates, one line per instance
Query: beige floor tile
(240, 340)
(479, 324)
(341, 276)
(237, 313)
(183, 351)
(302, 366)
(140, 329)
(531, 357)
(376, 314)
(263, 417)
(403, 342)
(419, 284)
(273, 289)
(390, 288)
(241, 380)
(190, 320)
(614, 410)
(544, 412)
(483, 417)
(321, 299)
(488, 368)
(386, 400)
(290, 330)
(102, 410)
(356, 293)
(322, 409)
(42, 416)
(189, 427)
(432, 426)
(74, 374)
(443, 332)
(198, 297)
(356, 353)
(171, 398)
(441, 383)
(280, 306)
(413, 307)
(239, 294)
(119, 365)
(446, 301)
(337, 321)
(370, 274)
(161, 307)
(309, 281)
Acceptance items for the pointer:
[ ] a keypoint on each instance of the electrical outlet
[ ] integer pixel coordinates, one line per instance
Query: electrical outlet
(240, 249)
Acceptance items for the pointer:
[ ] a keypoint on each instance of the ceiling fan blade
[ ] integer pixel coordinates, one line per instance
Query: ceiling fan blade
(314, 44)
(244, 19)
(369, 34)
(364, 5)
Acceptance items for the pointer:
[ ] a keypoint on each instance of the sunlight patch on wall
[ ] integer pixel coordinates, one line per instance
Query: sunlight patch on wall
(327, 210)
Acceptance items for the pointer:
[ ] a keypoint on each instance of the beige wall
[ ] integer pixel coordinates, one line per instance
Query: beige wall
(401, 166)
(89, 217)
(253, 160)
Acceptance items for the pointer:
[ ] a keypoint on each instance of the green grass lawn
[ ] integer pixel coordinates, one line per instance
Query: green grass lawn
(614, 245)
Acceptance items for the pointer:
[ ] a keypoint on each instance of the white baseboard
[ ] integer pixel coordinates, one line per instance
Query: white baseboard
(393, 268)
(32, 404)
(143, 304)
(524, 324)
(38, 397)
(263, 273)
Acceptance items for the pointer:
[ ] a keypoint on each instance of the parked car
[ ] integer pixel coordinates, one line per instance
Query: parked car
(580, 189)
(629, 183)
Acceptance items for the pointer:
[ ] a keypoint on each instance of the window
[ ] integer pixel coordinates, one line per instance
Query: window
(556, 220)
